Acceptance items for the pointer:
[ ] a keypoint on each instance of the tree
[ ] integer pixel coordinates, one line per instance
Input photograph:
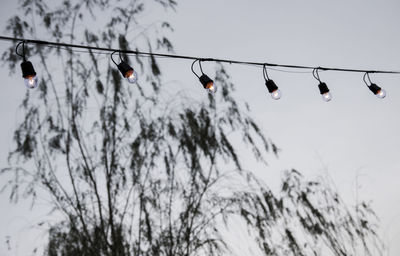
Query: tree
(133, 173)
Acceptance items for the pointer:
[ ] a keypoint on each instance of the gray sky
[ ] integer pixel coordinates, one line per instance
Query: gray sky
(354, 135)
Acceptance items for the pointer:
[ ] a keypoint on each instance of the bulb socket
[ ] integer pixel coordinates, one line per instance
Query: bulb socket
(323, 88)
(205, 80)
(271, 86)
(374, 88)
(27, 69)
(124, 68)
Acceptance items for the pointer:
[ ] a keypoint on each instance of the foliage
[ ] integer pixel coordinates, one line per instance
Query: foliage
(137, 172)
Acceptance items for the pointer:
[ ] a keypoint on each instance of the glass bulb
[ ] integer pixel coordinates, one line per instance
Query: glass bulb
(132, 76)
(211, 88)
(276, 95)
(381, 94)
(327, 96)
(31, 82)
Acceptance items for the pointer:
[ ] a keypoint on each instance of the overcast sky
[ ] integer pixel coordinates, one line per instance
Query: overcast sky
(354, 135)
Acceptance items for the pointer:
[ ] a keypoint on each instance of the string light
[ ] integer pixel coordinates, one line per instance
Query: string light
(31, 79)
(28, 72)
(207, 82)
(323, 88)
(272, 87)
(127, 71)
(375, 89)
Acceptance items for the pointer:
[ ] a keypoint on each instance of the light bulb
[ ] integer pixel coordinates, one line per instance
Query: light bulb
(208, 84)
(273, 89)
(378, 91)
(276, 95)
(327, 96)
(211, 88)
(128, 72)
(31, 82)
(132, 76)
(324, 90)
(381, 94)
(29, 75)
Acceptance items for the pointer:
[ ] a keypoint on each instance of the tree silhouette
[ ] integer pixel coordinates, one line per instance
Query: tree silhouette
(137, 171)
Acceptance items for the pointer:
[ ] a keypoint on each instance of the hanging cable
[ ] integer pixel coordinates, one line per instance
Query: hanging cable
(323, 88)
(23, 50)
(128, 72)
(271, 86)
(113, 58)
(193, 69)
(366, 75)
(316, 75)
(174, 56)
(375, 89)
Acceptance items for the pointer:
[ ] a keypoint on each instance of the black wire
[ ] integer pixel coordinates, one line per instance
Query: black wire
(316, 75)
(23, 50)
(120, 57)
(279, 70)
(40, 42)
(201, 69)
(112, 57)
(265, 73)
(97, 52)
(288, 71)
(365, 81)
(106, 53)
(80, 51)
(193, 69)
(369, 78)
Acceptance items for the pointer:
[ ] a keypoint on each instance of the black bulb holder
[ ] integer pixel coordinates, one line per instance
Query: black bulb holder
(323, 88)
(374, 88)
(204, 80)
(124, 68)
(271, 86)
(27, 69)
